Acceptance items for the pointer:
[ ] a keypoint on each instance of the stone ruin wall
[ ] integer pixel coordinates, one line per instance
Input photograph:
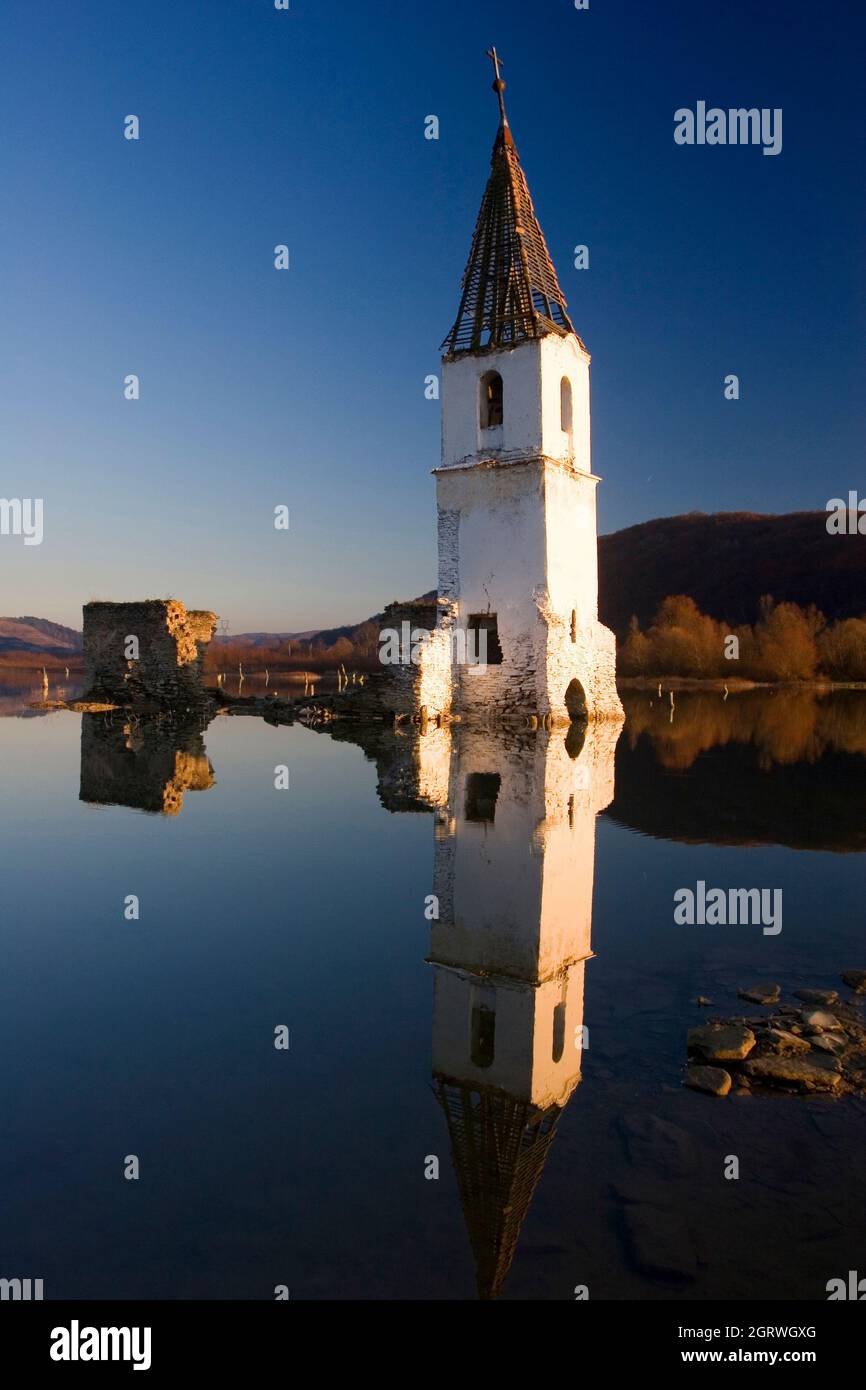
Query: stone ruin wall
(505, 693)
(171, 643)
(406, 687)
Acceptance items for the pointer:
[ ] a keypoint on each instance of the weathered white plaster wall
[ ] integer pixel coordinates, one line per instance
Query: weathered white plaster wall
(532, 375)
(571, 543)
(463, 439)
(494, 543)
(519, 540)
(564, 357)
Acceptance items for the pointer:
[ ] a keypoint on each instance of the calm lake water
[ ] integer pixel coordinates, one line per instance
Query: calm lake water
(565, 1157)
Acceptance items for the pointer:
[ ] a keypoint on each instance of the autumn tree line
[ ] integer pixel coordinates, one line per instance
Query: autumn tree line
(786, 643)
(357, 653)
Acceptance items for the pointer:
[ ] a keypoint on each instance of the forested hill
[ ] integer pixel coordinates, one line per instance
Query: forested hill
(726, 562)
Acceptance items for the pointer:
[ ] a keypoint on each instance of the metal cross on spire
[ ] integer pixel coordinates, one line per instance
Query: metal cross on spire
(498, 84)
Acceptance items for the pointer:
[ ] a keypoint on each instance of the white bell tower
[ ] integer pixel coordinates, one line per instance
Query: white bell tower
(515, 490)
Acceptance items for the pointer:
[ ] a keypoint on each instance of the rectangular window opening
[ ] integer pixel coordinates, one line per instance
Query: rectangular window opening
(487, 648)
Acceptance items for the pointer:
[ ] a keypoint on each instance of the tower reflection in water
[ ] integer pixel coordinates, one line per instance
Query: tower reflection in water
(515, 852)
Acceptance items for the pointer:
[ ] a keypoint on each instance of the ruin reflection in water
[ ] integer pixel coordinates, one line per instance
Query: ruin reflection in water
(146, 763)
(699, 772)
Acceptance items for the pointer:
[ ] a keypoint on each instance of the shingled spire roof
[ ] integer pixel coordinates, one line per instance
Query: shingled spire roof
(510, 289)
(499, 1146)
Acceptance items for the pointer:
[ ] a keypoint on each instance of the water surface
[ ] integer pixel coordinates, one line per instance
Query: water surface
(415, 1038)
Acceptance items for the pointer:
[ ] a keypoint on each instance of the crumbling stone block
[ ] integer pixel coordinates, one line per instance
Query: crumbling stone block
(148, 652)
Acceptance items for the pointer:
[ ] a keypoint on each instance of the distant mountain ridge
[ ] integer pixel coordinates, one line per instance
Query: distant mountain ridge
(30, 634)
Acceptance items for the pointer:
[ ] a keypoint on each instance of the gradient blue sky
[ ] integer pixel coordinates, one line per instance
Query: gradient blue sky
(307, 387)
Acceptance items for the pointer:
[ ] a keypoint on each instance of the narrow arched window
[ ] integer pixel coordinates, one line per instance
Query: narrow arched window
(558, 1032)
(491, 401)
(565, 405)
(574, 624)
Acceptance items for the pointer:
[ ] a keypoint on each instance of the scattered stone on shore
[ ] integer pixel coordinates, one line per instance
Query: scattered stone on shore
(796, 1050)
(722, 1042)
(793, 1071)
(761, 994)
(827, 1060)
(75, 706)
(856, 980)
(820, 1022)
(817, 996)
(785, 1041)
(713, 1080)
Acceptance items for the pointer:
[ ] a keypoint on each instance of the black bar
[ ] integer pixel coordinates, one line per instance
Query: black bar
(224, 1338)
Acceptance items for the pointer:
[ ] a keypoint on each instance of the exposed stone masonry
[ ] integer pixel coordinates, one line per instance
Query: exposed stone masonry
(171, 644)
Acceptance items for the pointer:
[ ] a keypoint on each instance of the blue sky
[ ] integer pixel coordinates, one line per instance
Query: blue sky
(306, 387)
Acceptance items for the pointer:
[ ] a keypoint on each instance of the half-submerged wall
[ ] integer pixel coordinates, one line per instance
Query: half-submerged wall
(149, 651)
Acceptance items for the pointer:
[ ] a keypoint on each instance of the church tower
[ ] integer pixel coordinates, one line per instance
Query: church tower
(517, 535)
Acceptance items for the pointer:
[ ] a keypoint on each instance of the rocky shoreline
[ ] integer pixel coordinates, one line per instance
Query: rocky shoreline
(816, 1044)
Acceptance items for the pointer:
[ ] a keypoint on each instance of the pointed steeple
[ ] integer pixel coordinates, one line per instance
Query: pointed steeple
(510, 289)
(499, 1146)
